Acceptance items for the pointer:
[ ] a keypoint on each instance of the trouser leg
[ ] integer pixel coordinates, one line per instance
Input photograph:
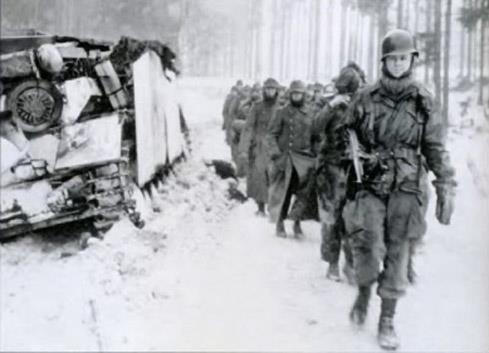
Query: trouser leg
(404, 225)
(291, 188)
(330, 243)
(364, 224)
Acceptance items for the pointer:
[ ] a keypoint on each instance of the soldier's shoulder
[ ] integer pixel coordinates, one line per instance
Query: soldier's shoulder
(425, 97)
(260, 104)
(367, 91)
(282, 109)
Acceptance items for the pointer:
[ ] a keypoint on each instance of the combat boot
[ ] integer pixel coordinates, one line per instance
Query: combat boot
(280, 229)
(333, 272)
(298, 234)
(358, 312)
(387, 337)
(261, 209)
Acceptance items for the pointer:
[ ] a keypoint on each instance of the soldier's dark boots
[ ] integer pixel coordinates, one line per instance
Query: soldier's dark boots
(387, 337)
(298, 234)
(280, 229)
(261, 209)
(358, 312)
(333, 272)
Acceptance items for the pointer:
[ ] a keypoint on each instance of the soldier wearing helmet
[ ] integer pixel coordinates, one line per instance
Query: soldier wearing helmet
(331, 170)
(252, 147)
(292, 166)
(401, 139)
(252, 96)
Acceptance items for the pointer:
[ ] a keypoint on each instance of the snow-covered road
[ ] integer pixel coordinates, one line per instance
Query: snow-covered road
(207, 274)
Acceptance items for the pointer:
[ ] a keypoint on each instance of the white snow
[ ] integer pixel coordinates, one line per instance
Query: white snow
(206, 274)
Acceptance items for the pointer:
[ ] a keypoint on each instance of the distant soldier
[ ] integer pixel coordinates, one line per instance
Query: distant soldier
(238, 124)
(332, 170)
(233, 111)
(331, 166)
(253, 148)
(317, 100)
(292, 166)
(401, 137)
(233, 93)
(283, 96)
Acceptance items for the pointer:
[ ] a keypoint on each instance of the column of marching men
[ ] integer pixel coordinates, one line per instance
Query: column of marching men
(355, 157)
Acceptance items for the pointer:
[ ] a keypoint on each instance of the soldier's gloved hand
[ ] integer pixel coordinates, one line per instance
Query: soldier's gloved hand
(445, 195)
(339, 99)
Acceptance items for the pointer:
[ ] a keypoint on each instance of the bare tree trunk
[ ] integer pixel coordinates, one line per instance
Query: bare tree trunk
(311, 40)
(470, 49)
(446, 76)
(343, 33)
(232, 57)
(281, 59)
(484, 7)
(371, 49)
(317, 36)
(437, 52)
(462, 49)
(356, 34)
(382, 25)
(429, 14)
(399, 13)
(288, 40)
(257, 27)
(416, 16)
(273, 38)
(407, 24)
(475, 46)
(329, 45)
(350, 35)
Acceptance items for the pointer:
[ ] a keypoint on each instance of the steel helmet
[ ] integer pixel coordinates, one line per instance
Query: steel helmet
(297, 86)
(397, 42)
(348, 81)
(270, 83)
(50, 58)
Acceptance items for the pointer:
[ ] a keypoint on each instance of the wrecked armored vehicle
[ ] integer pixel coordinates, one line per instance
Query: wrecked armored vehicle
(83, 123)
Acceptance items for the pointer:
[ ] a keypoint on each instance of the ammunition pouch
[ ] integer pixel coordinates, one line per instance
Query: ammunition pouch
(387, 170)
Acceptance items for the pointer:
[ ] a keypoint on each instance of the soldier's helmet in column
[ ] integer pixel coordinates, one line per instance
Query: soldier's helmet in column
(398, 42)
(297, 86)
(270, 83)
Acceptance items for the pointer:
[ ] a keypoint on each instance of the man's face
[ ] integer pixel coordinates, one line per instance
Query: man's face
(255, 94)
(398, 65)
(270, 92)
(297, 97)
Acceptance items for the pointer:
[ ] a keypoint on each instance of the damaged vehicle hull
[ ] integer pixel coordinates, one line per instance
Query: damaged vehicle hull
(91, 130)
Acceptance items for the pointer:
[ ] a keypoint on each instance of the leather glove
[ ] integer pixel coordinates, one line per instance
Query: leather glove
(444, 202)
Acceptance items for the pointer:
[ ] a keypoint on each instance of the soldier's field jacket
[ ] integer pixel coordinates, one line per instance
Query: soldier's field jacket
(404, 134)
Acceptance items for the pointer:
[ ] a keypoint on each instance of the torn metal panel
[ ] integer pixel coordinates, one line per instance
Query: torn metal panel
(77, 93)
(174, 135)
(151, 146)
